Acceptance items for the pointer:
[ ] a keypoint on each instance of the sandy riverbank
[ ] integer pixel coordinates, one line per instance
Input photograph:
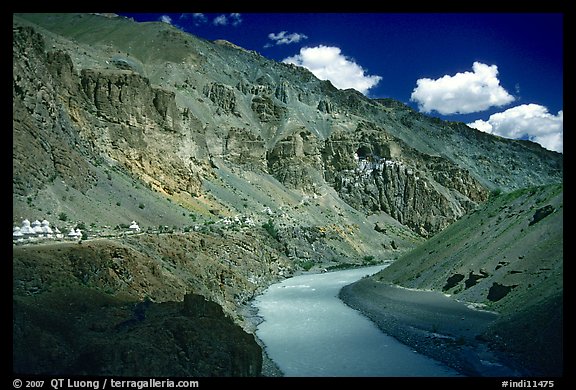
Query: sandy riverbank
(432, 324)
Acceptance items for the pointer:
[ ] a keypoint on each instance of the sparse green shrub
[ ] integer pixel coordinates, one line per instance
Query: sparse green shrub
(63, 216)
(271, 229)
(306, 265)
(341, 266)
(495, 192)
(141, 205)
(369, 259)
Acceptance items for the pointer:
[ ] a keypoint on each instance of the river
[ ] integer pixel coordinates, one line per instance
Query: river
(309, 332)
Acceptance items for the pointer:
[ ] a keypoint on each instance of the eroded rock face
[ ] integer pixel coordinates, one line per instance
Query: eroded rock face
(296, 161)
(63, 120)
(45, 143)
(245, 148)
(374, 171)
(222, 96)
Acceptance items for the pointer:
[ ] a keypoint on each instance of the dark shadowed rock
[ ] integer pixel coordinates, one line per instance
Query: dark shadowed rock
(89, 333)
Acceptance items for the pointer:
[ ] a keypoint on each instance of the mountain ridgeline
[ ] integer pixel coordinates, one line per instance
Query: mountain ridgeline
(267, 169)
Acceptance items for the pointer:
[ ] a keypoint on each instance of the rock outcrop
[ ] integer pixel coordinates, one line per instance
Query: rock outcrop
(85, 332)
(125, 97)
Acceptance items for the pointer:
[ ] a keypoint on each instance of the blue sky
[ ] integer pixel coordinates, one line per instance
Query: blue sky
(498, 72)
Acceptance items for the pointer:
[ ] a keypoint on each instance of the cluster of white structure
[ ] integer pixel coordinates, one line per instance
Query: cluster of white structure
(36, 231)
(238, 220)
(39, 230)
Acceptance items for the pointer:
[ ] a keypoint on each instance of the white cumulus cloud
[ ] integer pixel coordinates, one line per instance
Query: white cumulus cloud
(527, 121)
(283, 38)
(328, 63)
(462, 93)
(222, 20)
(166, 19)
(199, 18)
(235, 18)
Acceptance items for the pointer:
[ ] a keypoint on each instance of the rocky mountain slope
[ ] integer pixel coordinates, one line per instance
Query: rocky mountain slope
(115, 121)
(505, 257)
(146, 97)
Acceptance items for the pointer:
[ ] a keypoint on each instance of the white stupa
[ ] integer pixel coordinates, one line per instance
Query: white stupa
(46, 230)
(72, 234)
(134, 228)
(27, 230)
(17, 234)
(58, 233)
(36, 226)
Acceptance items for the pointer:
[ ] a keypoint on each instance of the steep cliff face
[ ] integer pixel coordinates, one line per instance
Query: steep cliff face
(125, 97)
(374, 172)
(83, 118)
(45, 144)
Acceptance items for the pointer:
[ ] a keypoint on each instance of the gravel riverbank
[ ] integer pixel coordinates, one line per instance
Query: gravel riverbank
(432, 324)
